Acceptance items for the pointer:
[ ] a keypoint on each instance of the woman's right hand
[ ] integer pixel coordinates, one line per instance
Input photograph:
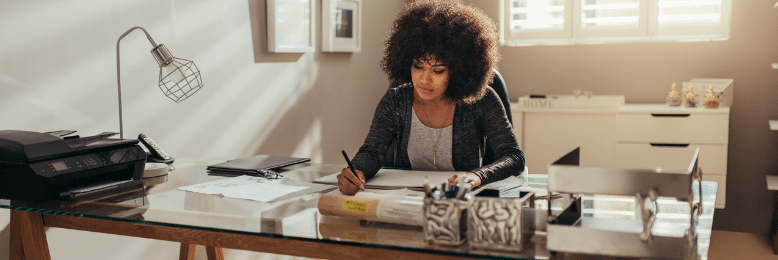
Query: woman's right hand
(348, 183)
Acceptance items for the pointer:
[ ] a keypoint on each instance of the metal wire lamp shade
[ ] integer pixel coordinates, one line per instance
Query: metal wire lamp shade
(179, 78)
(180, 82)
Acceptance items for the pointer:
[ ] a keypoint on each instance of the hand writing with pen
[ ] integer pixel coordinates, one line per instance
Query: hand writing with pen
(350, 182)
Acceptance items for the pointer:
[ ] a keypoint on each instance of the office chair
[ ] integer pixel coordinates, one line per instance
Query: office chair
(498, 84)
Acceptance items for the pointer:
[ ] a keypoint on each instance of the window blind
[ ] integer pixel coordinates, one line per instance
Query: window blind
(530, 22)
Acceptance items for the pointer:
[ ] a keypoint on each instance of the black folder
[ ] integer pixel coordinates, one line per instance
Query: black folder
(259, 164)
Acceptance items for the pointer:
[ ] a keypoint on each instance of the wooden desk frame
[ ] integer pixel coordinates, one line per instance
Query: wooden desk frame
(28, 240)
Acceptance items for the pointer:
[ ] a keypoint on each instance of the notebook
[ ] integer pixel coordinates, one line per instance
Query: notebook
(260, 164)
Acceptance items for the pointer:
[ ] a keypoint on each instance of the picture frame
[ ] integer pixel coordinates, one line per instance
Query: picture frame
(291, 26)
(341, 25)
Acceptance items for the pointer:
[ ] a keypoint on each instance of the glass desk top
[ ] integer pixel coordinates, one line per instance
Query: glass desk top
(160, 203)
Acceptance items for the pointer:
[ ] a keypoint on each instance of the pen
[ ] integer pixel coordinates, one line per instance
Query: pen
(351, 167)
(427, 186)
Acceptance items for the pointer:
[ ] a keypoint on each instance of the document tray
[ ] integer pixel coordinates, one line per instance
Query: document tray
(644, 233)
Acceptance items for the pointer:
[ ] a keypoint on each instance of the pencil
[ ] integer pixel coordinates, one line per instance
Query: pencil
(351, 167)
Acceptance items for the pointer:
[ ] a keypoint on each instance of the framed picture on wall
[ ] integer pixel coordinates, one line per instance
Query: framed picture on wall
(290, 26)
(341, 25)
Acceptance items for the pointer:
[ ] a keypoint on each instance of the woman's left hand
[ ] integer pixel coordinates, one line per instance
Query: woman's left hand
(470, 178)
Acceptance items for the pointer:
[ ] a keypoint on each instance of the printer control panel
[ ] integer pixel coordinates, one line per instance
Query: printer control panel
(67, 165)
(78, 163)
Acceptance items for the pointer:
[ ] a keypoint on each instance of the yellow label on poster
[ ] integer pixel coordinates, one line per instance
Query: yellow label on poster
(355, 206)
(356, 235)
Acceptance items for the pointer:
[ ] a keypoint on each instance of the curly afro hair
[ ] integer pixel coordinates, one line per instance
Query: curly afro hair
(461, 37)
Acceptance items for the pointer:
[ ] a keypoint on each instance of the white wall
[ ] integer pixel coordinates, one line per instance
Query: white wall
(58, 71)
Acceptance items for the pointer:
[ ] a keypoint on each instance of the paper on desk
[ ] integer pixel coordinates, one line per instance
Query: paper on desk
(249, 187)
(395, 178)
(216, 187)
(393, 192)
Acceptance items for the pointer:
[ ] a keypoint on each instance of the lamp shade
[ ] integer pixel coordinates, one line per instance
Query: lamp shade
(178, 78)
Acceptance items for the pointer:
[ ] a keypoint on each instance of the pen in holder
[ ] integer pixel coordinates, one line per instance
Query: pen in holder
(496, 223)
(445, 213)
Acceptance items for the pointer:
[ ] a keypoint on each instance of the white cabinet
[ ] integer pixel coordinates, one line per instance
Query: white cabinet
(650, 136)
(629, 136)
(547, 134)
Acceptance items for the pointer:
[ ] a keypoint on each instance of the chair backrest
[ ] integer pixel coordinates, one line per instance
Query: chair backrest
(498, 84)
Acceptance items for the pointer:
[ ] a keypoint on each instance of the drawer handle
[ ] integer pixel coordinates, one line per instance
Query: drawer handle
(671, 115)
(669, 145)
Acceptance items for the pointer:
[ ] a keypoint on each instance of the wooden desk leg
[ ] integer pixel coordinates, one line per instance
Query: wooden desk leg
(214, 253)
(15, 247)
(187, 252)
(27, 228)
(205, 203)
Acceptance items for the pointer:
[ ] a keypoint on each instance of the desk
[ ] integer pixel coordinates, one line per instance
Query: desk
(291, 227)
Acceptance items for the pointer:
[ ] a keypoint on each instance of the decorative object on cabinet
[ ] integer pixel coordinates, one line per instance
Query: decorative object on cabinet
(691, 98)
(341, 25)
(723, 87)
(178, 78)
(290, 26)
(674, 96)
(711, 100)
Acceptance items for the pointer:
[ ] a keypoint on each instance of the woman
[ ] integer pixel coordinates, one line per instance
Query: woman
(441, 54)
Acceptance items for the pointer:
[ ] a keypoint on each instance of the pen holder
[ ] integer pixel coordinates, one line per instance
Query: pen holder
(496, 223)
(445, 221)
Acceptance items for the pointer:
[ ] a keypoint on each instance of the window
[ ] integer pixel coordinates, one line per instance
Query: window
(532, 22)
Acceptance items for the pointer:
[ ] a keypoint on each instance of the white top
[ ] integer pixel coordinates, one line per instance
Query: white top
(429, 149)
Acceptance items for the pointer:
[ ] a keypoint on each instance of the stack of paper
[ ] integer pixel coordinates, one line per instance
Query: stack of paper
(396, 179)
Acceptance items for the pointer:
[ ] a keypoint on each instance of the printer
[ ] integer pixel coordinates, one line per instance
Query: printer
(40, 166)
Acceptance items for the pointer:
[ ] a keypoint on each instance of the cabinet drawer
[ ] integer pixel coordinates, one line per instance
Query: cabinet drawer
(673, 128)
(713, 158)
(721, 193)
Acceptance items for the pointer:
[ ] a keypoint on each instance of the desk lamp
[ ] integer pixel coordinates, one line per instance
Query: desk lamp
(178, 78)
